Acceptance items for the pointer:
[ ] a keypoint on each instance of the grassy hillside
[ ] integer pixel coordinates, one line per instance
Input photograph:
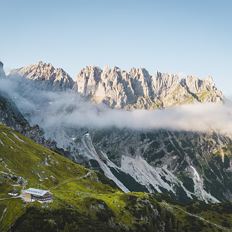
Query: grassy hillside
(83, 199)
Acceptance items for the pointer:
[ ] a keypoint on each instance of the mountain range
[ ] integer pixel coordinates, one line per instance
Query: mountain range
(178, 166)
(136, 89)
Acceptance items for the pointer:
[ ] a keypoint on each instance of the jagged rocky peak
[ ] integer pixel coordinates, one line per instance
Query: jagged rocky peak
(111, 86)
(48, 77)
(2, 72)
(91, 75)
(137, 89)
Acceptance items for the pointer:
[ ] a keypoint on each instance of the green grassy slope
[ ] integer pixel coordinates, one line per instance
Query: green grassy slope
(83, 199)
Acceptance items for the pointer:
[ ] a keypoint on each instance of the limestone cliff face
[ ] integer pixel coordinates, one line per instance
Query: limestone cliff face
(116, 88)
(2, 72)
(137, 89)
(45, 76)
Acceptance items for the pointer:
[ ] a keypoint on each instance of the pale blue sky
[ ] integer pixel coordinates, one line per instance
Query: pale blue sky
(178, 36)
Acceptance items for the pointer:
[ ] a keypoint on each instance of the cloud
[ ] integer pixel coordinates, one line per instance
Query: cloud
(55, 110)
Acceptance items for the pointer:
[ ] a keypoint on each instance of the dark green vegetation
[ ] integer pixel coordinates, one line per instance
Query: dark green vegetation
(84, 200)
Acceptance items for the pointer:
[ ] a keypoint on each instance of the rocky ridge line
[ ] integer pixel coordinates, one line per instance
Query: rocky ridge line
(46, 76)
(117, 88)
(137, 89)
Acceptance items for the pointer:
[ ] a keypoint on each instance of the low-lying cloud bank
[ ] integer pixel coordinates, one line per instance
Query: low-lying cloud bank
(67, 109)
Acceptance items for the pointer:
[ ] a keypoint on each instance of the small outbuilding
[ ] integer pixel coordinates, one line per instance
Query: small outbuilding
(40, 195)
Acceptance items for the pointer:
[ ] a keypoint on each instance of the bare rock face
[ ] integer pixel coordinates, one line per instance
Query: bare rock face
(137, 89)
(116, 88)
(2, 72)
(45, 76)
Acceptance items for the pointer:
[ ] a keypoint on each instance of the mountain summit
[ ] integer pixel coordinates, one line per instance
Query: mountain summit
(137, 89)
(45, 74)
(117, 88)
